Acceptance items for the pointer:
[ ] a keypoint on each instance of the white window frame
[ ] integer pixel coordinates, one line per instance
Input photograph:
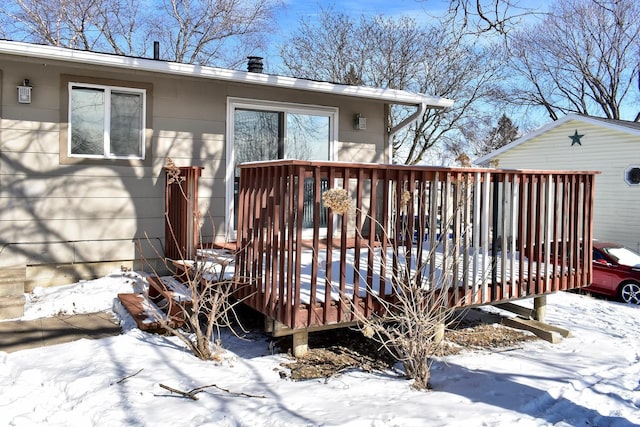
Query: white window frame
(107, 120)
(284, 107)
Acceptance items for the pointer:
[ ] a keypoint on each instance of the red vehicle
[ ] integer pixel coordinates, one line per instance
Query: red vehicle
(616, 272)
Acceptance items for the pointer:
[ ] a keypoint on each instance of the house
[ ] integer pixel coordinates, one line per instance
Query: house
(577, 142)
(85, 137)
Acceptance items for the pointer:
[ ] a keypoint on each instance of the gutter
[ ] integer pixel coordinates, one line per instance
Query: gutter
(421, 108)
(55, 53)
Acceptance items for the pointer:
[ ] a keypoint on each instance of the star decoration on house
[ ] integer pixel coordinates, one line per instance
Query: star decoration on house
(575, 138)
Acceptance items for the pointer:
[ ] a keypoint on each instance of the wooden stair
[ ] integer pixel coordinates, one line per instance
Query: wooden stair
(165, 304)
(169, 298)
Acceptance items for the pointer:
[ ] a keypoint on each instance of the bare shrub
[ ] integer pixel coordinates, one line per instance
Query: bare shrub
(197, 317)
(410, 324)
(199, 302)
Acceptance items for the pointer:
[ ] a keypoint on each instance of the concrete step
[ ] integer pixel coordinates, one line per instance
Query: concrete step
(11, 307)
(12, 292)
(25, 334)
(12, 281)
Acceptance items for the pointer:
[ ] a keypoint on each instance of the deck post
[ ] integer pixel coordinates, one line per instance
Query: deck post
(268, 325)
(540, 308)
(300, 342)
(438, 335)
(439, 318)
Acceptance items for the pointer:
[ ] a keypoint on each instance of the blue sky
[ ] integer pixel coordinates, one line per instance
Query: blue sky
(293, 10)
(414, 8)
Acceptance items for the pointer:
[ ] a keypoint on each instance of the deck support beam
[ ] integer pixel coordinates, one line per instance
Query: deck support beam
(521, 311)
(547, 332)
(300, 342)
(540, 308)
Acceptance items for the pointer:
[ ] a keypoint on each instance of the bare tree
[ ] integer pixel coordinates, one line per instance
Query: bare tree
(377, 51)
(123, 27)
(459, 68)
(210, 31)
(399, 54)
(191, 31)
(484, 16)
(582, 58)
(324, 49)
(63, 23)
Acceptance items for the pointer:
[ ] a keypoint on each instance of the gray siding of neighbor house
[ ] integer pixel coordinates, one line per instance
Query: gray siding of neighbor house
(70, 219)
(602, 149)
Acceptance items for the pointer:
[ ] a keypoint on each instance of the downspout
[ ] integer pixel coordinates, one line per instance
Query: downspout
(421, 108)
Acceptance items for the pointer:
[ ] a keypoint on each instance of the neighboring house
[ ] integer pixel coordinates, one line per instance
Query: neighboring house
(585, 143)
(84, 138)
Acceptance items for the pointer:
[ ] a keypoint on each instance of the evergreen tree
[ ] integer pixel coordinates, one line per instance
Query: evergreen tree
(501, 135)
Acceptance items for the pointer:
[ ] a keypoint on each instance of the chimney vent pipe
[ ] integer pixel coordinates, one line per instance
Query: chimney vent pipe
(254, 65)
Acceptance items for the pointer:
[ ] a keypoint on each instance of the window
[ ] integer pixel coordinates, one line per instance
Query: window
(271, 131)
(632, 175)
(106, 122)
(271, 135)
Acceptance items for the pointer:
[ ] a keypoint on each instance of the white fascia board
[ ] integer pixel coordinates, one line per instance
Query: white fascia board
(552, 125)
(158, 66)
(608, 124)
(521, 140)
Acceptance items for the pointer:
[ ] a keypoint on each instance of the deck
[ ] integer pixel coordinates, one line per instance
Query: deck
(486, 236)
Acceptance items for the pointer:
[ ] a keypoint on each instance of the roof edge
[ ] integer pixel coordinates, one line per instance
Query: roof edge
(394, 96)
(551, 125)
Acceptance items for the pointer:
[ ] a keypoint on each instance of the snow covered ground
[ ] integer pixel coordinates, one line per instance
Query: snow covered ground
(591, 379)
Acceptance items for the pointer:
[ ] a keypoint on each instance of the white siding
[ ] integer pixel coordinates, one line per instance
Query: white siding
(608, 151)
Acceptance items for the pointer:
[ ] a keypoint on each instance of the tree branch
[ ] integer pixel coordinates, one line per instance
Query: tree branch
(191, 394)
(129, 376)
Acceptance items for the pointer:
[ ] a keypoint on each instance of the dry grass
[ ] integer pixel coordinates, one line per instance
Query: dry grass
(335, 351)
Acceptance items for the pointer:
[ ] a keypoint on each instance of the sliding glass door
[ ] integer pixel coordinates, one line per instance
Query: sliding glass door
(270, 131)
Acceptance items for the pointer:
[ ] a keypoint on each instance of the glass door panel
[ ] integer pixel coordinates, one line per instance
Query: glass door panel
(292, 133)
(307, 137)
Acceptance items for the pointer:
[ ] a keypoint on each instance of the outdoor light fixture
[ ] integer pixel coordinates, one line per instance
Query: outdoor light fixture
(24, 92)
(360, 122)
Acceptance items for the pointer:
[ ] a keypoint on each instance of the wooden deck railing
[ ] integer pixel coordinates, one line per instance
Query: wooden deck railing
(486, 235)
